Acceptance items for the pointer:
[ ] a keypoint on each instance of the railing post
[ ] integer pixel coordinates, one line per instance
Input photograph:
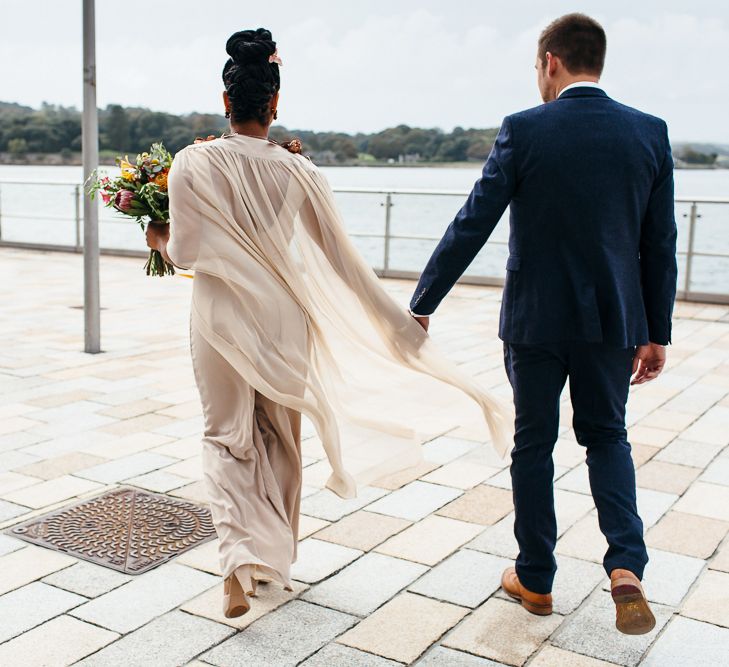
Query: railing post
(77, 216)
(690, 249)
(1, 212)
(388, 206)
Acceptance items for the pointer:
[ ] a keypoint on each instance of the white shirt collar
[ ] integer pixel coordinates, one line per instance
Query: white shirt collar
(579, 84)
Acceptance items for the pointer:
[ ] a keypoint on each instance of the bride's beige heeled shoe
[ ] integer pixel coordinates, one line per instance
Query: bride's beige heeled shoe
(235, 601)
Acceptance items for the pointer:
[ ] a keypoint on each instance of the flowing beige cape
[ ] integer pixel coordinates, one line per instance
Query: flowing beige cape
(301, 317)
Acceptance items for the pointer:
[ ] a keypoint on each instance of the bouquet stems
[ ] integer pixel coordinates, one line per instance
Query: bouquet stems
(156, 265)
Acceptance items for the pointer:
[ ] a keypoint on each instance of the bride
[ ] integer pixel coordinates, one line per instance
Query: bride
(287, 319)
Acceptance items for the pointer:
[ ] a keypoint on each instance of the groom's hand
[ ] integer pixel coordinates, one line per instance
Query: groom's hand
(422, 321)
(648, 362)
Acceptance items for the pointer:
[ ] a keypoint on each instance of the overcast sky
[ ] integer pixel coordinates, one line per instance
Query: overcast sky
(363, 66)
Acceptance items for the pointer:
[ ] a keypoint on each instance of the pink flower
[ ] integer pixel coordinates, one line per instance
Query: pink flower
(275, 58)
(124, 200)
(106, 197)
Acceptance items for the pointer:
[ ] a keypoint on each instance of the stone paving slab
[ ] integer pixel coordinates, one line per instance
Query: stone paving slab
(269, 597)
(467, 578)
(63, 413)
(283, 638)
(498, 539)
(9, 544)
(363, 586)
(429, 541)
(688, 534)
(148, 595)
(551, 656)
(61, 641)
(167, 641)
(125, 467)
(497, 630)
(445, 449)
(318, 559)
(668, 577)
(344, 656)
(441, 656)
(404, 628)
(362, 530)
(21, 566)
(709, 601)
(591, 631)
(710, 500)
(689, 642)
(482, 504)
(327, 505)
(87, 579)
(414, 501)
(26, 607)
(573, 583)
(11, 510)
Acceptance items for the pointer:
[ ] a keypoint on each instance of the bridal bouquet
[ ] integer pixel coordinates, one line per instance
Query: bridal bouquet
(140, 191)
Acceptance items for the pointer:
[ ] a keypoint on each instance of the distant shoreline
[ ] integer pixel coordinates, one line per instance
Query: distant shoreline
(58, 160)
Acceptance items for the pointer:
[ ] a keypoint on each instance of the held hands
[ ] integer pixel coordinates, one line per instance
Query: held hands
(648, 362)
(422, 321)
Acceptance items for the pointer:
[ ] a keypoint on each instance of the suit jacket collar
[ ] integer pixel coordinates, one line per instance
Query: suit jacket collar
(583, 91)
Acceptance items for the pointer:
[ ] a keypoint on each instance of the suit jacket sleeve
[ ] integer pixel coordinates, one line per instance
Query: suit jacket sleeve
(658, 252)
(471, 227)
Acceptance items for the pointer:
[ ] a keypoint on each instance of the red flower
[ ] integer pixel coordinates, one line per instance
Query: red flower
(124, 200)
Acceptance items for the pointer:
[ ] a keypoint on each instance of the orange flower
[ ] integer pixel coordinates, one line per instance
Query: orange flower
(160, 180)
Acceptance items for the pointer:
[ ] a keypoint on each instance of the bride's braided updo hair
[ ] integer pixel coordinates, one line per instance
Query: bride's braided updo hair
(250, 79)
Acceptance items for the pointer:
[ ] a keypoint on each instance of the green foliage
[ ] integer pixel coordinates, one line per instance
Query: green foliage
(52, 129)
(17, 146)
(692, 156)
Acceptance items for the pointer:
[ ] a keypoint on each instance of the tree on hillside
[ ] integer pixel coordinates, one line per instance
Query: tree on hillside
(116, 128)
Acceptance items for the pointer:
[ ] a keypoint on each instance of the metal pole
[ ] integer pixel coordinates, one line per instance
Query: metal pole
(77, 215)
(690, 249)
(90, 145)
(388, 206)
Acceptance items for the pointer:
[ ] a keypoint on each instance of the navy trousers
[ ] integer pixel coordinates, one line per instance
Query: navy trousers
(599, 377)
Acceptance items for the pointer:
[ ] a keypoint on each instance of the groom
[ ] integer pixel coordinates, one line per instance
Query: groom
(590, 286)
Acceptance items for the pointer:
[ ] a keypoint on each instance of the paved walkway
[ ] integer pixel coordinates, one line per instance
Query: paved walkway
(406, 573)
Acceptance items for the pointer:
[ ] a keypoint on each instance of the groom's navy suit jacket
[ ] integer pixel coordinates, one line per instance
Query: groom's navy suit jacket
(592, 248)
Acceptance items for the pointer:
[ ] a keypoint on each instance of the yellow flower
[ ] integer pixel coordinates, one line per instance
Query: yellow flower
(128, 170)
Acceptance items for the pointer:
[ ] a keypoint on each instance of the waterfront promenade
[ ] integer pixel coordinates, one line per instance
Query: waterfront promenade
(407, 573)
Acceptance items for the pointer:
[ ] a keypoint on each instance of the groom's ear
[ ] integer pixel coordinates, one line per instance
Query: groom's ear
(553, 63)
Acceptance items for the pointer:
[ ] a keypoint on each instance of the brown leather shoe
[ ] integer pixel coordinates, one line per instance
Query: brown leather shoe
(534, 603)
(633, 615)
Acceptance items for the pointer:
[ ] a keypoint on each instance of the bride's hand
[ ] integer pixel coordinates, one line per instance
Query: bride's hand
(157, 235)
(200, 140)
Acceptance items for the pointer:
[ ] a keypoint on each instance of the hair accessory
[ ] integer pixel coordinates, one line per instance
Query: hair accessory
(293, 146)
(275, 58)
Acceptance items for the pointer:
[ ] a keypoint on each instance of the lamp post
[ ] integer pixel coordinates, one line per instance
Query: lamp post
(90, 149)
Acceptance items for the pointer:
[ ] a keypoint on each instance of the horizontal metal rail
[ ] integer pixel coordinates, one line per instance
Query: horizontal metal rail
(387, 236)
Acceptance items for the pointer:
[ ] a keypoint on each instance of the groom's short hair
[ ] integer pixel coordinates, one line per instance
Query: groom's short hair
(578, 41)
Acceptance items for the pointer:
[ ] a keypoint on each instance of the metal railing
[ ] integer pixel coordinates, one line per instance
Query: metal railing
(387, 236)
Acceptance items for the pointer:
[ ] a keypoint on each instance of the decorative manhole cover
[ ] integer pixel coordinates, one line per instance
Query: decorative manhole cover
(126, 529)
